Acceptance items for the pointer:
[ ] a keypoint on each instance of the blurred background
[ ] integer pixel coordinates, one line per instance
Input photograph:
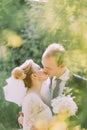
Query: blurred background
(27, 28)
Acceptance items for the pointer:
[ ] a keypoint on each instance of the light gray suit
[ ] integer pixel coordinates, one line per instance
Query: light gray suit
(79, 86)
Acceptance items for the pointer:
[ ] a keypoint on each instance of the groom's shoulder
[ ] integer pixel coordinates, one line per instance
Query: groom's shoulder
(45, 86)
(75, 80)
(79, 78)
(76, 77)
(46, 82)
(45, 90)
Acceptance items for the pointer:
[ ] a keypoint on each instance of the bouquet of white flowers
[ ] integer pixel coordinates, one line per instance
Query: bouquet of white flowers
(64, 103)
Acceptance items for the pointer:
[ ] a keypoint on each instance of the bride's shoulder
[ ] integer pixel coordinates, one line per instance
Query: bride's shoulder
(31, 96)
(31, 99)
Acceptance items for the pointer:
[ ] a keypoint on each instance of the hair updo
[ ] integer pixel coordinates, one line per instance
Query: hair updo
(18, 73)
(24, 72)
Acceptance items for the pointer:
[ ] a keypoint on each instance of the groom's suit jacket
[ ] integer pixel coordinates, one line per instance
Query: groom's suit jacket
(79, 90)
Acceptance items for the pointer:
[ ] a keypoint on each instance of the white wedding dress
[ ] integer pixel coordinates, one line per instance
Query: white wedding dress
(36, 113)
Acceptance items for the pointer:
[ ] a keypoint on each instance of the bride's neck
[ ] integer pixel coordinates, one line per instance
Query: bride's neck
(36, 87)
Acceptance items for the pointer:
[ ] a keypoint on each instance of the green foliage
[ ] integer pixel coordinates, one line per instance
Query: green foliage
(9, 111)
(76, 60)
(11, 13)
(9, 117)
(35, 25)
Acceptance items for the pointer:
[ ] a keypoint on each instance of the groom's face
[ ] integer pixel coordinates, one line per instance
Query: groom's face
(50, 66)
(38, 73)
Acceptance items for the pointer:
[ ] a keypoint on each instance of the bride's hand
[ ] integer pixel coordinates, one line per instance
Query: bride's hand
(34, 128)
(20, 118)
(41, 75)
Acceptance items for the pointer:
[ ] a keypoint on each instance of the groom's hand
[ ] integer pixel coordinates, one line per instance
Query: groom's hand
(20, 118)
(34, 128)
(41, 75)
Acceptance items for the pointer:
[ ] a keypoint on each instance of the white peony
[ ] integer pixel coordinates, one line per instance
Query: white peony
(62, 103)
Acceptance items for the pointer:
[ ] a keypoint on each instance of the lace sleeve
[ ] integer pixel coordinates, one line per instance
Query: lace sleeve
(34, 110)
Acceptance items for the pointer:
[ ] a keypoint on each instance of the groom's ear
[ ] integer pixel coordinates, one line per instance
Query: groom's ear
(62, 65)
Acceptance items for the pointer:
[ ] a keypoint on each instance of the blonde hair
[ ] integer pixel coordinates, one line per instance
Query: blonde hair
(55, 50)
(24, 72)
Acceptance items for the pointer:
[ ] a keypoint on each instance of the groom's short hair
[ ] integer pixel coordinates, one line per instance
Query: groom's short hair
(55, 50)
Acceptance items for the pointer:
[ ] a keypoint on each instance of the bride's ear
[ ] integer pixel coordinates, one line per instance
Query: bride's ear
(34, 76)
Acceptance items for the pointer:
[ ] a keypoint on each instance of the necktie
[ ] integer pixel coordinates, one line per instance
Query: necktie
(50, 86)
(57, 88)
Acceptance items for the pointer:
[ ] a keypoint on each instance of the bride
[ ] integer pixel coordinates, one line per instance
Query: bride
(36, 113)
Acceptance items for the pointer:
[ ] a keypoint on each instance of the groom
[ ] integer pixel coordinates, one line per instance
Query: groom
(60, 77)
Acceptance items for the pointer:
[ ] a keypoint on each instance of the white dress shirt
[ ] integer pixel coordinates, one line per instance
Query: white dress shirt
(45, 90)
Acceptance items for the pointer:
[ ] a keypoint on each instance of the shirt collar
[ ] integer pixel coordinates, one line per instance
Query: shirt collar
(65, 76)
